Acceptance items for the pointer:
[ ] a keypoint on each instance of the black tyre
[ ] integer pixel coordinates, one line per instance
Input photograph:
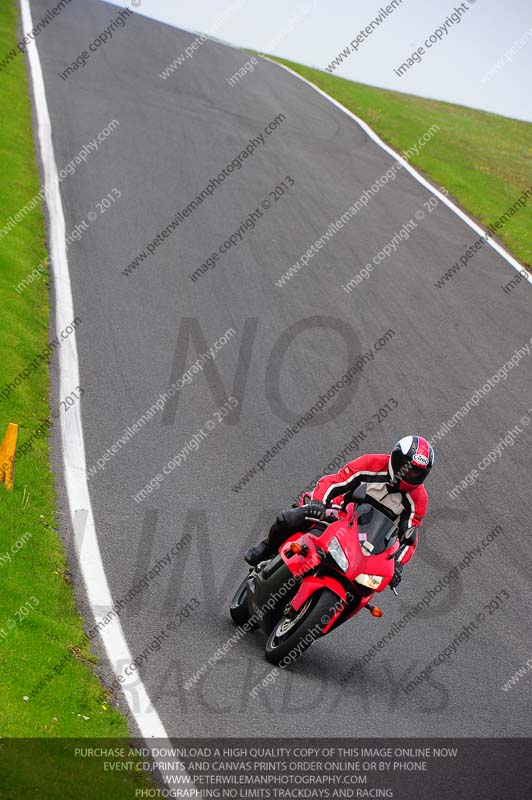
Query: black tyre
(291, 637)
(239, 605)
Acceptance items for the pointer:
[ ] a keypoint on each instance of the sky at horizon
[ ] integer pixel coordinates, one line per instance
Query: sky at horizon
(455, 67)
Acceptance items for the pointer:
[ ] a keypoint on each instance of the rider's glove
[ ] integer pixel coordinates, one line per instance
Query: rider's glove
(315, 509)
(396, 580)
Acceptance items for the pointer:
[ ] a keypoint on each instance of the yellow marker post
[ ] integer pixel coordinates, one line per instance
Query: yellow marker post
(7, 455)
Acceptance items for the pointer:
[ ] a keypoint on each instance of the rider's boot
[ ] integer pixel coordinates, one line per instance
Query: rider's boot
(259, 552)
(286, 523)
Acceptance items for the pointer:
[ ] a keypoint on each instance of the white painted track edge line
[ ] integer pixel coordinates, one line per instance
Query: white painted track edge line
(72, 442)
(412, 170)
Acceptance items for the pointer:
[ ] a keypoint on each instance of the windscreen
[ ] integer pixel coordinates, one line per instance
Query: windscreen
(375, 529)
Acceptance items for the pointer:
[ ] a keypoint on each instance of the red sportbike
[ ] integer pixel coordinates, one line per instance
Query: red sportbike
(319, 579)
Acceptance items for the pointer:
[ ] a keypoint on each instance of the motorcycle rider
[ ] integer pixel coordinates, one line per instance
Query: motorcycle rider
(394, 481)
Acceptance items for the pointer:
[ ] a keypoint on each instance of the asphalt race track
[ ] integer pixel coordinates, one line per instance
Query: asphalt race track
(427, 350)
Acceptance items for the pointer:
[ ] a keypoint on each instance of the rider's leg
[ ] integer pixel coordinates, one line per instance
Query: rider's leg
(286, 523)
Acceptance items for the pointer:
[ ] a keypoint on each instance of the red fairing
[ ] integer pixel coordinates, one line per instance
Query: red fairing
(312, 584)
(345, 529)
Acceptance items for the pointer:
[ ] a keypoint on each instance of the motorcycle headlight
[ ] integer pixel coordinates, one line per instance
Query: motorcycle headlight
(370, 581)
(335, 550)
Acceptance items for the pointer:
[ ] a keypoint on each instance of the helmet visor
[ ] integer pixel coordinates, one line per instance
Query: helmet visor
(413, 474)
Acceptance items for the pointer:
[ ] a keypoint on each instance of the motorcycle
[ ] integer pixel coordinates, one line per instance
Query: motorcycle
(319, 579)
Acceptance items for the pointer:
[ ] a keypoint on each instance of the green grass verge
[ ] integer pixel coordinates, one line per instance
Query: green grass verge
(483, 160)
(30, 646)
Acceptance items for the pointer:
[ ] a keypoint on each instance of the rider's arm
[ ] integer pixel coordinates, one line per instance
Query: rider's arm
(415, 507)
(409, 538)
(349, 477)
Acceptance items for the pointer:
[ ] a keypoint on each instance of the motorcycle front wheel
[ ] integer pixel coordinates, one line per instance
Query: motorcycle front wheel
(291, 637)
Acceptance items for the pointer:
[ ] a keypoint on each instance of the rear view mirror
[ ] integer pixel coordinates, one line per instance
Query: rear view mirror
(359, 495)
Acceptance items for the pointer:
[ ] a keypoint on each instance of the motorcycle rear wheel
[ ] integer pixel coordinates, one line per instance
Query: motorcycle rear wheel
(239, 605)
(291, 637)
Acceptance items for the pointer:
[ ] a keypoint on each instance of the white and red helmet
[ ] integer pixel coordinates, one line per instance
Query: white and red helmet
(410, 462)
